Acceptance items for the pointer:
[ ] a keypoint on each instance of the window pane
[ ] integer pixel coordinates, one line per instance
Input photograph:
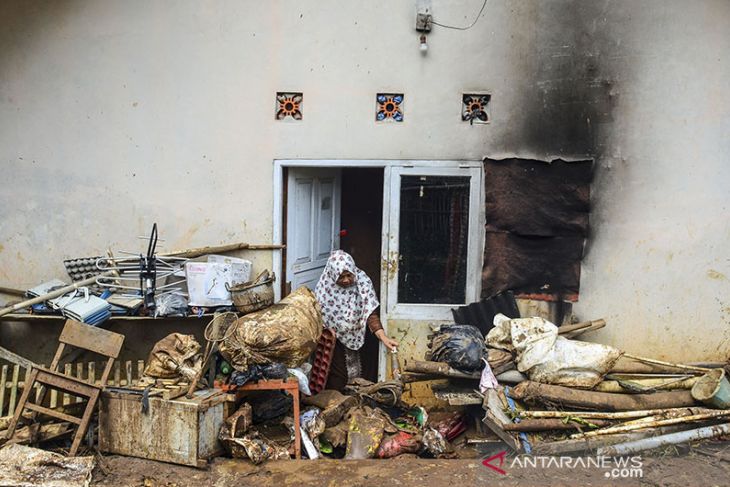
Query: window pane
(433, 235)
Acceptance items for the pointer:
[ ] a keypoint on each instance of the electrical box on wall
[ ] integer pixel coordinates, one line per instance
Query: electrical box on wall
(423, 15)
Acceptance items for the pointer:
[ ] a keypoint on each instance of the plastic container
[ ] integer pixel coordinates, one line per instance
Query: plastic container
(713, 389)
(322, 361)
(253, 295)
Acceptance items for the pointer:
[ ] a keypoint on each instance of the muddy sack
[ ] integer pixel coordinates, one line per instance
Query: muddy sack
(549, 358)
(460, 346)
(286, 332)
(176, 356)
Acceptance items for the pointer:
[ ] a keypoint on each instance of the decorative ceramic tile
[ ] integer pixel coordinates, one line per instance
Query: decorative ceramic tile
(289, 105)
(388, 107)
(474, 108)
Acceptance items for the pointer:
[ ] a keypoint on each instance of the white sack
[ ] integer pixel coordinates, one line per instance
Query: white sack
(551, 359)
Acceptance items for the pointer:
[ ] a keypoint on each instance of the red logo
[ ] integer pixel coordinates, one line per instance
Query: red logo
(487, 462)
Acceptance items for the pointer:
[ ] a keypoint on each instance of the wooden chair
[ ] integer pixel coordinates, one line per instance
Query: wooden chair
(79, 335)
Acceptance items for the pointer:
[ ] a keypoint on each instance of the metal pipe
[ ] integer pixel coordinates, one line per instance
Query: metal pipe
(664, 440)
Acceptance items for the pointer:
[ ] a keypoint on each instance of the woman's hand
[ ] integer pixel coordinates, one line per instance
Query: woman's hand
(389, 343)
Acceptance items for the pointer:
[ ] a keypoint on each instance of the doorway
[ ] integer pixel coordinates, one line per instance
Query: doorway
(415, 227)
(328, 209)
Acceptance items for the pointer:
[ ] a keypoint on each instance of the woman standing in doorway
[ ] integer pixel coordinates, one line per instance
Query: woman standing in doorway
(349, 305)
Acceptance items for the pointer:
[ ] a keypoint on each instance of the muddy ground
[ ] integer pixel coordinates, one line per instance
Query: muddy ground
(707, 464)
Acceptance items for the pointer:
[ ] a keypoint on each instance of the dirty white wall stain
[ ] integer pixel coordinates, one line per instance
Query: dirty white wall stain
(115, 115)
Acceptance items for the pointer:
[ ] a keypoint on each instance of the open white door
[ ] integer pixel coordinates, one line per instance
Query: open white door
(432, 248)
(313, 223)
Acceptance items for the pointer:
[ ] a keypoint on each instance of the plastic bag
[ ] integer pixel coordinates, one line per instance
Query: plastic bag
(171, 304)
(287, 332)
(258, 372)
(435, 444)
(302, 379)
(365, 432)
(269, 405)
(460, 346)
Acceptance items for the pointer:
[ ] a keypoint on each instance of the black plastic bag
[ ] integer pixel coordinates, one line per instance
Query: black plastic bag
(258, 372)
(460, 346)
(268, 405)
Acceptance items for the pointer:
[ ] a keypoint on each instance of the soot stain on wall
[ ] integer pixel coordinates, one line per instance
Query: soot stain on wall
(568, 105)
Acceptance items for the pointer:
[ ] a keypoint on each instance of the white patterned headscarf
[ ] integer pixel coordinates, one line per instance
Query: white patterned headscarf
(346, 309)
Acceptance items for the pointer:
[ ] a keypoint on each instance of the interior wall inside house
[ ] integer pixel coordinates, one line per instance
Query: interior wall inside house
(115, 115)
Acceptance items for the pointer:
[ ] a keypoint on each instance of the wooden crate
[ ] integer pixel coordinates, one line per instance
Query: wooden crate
(182, 431)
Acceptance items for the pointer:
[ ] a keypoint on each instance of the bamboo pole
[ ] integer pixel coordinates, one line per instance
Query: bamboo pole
(552, 424)
(588, 326)
(652, 424)
(219, 249)
(646, 384)
(611, 415)
(666, 364)
(54, 294)
(12, 291)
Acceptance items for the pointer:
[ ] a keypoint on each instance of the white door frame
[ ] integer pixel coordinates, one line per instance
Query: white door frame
(277, 236)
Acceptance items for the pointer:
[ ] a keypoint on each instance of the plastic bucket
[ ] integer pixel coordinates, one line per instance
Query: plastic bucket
(713, 389)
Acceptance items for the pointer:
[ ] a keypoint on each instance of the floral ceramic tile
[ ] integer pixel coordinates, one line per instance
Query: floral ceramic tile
(474, 108)
(289, 105)
(389, 107)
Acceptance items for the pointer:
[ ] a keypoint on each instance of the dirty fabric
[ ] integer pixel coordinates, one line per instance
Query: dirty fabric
(234, 427)
(333, 405)
(258, 449)
(537, 214)
(460, 346)
(287, 332)
(398, 444)
(25, 466)
(175, 356)
(551, 359)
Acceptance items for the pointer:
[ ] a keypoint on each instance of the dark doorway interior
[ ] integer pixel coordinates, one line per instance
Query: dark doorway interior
(362, 224)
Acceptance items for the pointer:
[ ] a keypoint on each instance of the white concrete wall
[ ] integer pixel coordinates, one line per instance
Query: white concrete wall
(114, 115)
(658, 262)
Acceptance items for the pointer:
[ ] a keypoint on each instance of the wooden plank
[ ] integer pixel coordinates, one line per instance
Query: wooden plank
(66, 398)
(67, 384)
(128, 372)
(117, 374)
(98, 340)
(26, 380)
(52, 412)
(140, 369)
(79, 375)
(3, 387)
(14, 358)
(92, 373)
(13, 390)
(495, 417)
